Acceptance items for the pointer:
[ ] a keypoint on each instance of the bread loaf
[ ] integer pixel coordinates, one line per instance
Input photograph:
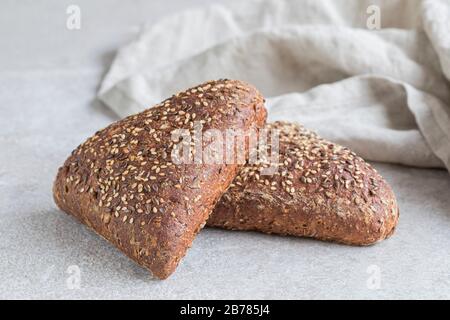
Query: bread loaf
(123, 184)
(320, 190)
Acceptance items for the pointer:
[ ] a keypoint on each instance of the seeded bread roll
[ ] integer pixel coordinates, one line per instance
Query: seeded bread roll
(320, 190)
(123, 183)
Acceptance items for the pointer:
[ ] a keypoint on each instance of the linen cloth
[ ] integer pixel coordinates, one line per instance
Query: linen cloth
(383, 92)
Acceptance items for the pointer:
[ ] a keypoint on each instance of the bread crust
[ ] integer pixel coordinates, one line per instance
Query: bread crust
(320, 190)
(122, 183)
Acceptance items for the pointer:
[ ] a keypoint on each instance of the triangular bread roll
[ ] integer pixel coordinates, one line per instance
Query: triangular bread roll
(123, 183)
(319, 189)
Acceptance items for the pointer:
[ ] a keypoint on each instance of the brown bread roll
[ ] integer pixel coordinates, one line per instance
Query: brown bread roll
(123, 184)
(320, 190)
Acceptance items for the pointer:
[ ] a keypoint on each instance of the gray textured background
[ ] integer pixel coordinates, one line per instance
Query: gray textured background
(48, 79)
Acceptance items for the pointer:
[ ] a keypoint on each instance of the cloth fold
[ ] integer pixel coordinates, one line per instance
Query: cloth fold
(384, 93)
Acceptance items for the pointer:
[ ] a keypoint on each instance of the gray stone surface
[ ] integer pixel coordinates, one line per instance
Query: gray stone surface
(48, 80)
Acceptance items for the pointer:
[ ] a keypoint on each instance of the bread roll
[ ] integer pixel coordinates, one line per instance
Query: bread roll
(123, 184)
(320, 190)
